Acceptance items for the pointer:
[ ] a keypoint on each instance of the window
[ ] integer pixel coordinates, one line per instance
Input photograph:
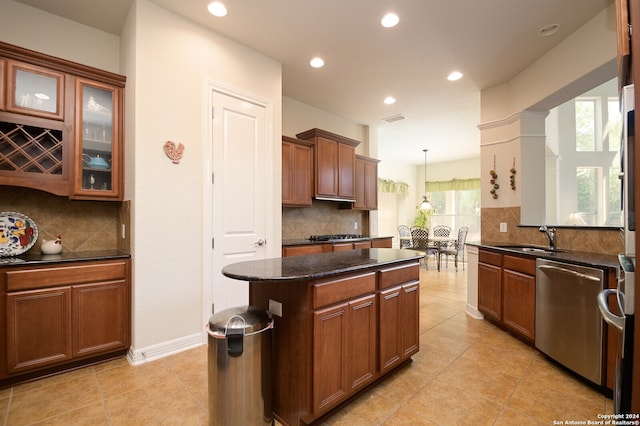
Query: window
(582, 159)
(585, 125)
(456, 208)
(614, 125)
(587, 183)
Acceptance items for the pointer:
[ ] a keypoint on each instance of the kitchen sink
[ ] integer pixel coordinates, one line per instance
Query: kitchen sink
(530, 249)
(537, 250)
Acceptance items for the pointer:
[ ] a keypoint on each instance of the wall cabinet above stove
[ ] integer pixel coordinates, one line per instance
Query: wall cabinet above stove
(334, 164)
(61, 126)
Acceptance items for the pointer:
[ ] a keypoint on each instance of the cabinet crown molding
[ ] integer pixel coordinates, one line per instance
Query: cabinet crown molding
(312, 133)
(18, 53)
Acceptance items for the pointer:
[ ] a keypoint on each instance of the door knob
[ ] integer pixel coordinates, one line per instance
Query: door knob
(261, 242)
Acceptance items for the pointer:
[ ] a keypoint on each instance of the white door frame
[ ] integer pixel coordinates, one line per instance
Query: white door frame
(207, 198)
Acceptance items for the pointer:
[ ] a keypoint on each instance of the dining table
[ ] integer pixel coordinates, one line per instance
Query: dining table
(440, 243)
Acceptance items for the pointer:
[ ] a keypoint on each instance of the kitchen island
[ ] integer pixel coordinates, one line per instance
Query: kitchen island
(343, 320)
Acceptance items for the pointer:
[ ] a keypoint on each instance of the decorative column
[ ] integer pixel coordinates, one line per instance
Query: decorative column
(516, 142)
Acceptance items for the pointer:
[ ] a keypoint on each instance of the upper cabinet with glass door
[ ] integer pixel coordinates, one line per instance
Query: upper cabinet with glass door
(98, 141)
(34, 90)
(61, 126)
(2, 62)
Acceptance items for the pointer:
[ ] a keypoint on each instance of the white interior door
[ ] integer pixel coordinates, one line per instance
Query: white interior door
(240, 182)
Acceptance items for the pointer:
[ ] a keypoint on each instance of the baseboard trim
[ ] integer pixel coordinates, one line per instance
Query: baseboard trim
(164, 349)
(473, 312)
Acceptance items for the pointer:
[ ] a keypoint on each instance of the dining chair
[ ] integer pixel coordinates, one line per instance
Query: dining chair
(420, 241)
(404, 232)
(441, 231)
(457, 250)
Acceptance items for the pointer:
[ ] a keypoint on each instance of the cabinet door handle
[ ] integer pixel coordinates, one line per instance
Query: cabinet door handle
(261, 242)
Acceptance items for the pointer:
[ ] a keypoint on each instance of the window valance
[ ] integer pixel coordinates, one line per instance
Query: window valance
(453, 185)
(396, 187)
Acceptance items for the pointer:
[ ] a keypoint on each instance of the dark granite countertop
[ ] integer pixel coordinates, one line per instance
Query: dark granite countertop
(27, 259)
(570, 256)
(315, 266)
(305, 241)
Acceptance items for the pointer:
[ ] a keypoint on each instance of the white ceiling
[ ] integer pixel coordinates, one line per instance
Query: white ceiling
(489, 41)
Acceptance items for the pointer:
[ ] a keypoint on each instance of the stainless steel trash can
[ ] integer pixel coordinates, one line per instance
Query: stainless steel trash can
(239, 358)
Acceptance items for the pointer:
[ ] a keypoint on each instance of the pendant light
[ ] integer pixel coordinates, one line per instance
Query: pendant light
(426, 205)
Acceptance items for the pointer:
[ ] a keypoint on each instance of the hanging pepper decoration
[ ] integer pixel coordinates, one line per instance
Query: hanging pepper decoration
(512, 178)
(494, 178)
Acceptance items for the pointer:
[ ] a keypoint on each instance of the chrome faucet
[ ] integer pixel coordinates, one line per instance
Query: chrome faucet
(551, 236)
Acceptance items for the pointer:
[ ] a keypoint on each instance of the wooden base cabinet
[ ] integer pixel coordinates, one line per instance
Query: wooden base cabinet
(334, 334)
(100, 317)
(507, 291)
(288, 251)
(62, 313)
(490, 284)
(519, 295)
(399, 309)
(344, 351)
(38, 328)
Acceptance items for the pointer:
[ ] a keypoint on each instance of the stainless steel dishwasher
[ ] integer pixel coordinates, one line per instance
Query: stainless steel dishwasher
(568, 323)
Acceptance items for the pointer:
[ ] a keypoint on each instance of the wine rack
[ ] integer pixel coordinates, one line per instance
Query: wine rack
(30, 149)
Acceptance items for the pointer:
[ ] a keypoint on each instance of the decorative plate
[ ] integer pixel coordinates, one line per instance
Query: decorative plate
(18, 233)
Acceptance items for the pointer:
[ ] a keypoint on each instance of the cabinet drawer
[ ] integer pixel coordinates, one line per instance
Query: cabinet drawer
(399, 275)
(520, 264)
(333, 291)
(289, 251)
(362, 245)
(25, 279)
(342, 246)
(490, 257)
(382, 243)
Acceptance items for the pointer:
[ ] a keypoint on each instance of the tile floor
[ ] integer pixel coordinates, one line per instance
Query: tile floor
(467, 372)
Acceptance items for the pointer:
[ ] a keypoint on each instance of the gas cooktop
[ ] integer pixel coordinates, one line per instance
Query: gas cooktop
(332, 237)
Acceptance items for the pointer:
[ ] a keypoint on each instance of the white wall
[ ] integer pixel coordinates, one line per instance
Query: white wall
(560, 74)
(41, 31)
(467, 168)
(298, 117)
(173, 62)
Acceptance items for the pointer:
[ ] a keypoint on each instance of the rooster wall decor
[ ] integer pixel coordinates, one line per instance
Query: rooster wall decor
(174, 153)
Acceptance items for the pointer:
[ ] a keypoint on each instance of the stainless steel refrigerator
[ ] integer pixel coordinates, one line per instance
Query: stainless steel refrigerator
(623, 317)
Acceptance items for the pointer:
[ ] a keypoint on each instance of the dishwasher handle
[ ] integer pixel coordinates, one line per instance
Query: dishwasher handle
(570, 272)
(609, 317)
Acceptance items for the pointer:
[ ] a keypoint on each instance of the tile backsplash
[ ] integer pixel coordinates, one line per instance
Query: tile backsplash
(83, 225)
(323, 217)
(605, 240)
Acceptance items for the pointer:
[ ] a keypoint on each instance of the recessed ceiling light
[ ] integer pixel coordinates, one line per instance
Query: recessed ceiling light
(317, 62)
(217, 9)
(389, 100)
(547, 30)
(390, 20)
(456, 75)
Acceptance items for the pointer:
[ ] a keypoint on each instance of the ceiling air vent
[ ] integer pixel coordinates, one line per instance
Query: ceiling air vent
(394, 118)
